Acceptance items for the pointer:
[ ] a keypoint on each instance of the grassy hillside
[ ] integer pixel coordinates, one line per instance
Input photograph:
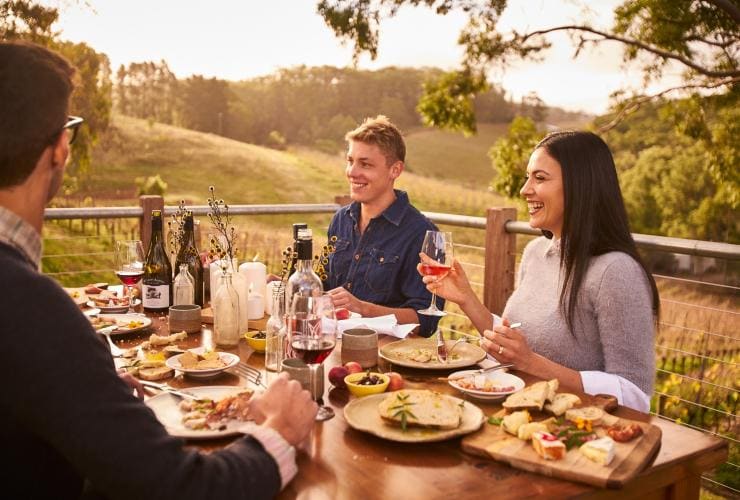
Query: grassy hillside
(243, 173)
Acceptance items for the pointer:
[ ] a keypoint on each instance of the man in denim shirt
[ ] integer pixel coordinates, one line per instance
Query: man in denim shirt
(379, 235)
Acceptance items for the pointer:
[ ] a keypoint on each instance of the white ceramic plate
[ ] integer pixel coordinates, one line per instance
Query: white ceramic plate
(400, 353)
(166, 408)
(498, 378)
(362, 414)
(77, 295)
(123, 320)
(113, 309)
(226, 357)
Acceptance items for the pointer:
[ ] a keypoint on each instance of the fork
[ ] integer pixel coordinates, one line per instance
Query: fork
(250, 373)
(115, 351)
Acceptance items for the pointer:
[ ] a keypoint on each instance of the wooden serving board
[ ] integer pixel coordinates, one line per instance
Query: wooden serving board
(629, 459)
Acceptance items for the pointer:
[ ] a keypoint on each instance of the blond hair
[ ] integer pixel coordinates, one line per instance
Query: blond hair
(384, 134)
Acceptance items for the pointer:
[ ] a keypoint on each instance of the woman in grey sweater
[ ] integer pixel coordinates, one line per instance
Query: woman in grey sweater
(587, 304)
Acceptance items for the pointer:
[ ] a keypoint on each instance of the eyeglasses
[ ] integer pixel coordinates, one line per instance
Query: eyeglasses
(73, 123)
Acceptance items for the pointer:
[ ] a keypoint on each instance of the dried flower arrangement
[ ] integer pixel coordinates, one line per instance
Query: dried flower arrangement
(222, 245)
(175, 229)
(322, 260)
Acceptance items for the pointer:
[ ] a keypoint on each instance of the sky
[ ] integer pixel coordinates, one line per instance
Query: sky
(239, 39)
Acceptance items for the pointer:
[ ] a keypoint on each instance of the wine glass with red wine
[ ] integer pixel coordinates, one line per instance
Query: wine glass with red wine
(129, 266)
(438, 247)
(313, 334)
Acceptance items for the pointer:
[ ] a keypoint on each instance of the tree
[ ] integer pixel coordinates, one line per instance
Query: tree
(28, 20)
(702, 36)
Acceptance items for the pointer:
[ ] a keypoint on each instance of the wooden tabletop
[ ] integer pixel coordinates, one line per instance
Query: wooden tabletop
(340, 462)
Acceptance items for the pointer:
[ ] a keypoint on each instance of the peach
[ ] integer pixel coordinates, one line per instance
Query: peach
(396, 381)
(353, 366)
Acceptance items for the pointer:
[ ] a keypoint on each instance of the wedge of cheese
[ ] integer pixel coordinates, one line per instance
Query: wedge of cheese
(512, 422)
(548, 446)
(599, 450)
(421, 408)
(526, 431)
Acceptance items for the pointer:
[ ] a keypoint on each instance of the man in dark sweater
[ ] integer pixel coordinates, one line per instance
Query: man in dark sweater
(69, 425)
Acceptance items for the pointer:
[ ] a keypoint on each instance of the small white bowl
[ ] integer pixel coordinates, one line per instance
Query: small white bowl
(496, 378)
(227, 357)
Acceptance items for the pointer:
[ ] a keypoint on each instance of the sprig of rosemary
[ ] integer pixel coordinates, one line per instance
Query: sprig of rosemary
(403, 411)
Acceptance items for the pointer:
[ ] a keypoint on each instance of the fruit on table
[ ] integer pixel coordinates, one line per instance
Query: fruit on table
(353, 367)
(396, 381)
(342, 313)
(336, 376)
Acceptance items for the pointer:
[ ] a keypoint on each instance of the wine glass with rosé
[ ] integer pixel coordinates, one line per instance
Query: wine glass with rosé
(129, 266)
(438, 247)
(313, 334)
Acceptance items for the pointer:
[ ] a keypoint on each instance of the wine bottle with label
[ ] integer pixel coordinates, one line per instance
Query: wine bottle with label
(189, 255)
(296, 227)
(156, 285)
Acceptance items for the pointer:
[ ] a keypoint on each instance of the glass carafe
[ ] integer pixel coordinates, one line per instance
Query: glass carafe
(226, 314)
(275, 331)
(184, 287)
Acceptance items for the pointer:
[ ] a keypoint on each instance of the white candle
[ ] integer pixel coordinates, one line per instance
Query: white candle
(255, 306)
(255, 274)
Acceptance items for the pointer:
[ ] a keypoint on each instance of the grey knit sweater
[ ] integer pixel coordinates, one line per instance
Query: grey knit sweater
(613, 324)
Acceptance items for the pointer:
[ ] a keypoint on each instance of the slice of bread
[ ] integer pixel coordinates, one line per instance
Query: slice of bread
(548, 446)
(589, 414)
(157, 373)
(421, 408)
(552, 387)
(530, 398)
(514, 421)
(561, 403)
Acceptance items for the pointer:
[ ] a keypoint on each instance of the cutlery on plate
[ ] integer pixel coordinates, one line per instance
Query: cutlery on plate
(115, 351)
(168, 389)
(478, 372)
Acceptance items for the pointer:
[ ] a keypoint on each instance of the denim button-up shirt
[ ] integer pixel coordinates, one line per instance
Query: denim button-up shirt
(379, 266)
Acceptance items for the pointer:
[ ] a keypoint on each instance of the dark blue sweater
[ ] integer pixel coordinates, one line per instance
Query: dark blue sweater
(66, 417)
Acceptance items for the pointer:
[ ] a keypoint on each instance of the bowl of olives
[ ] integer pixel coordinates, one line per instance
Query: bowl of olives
(366, 383)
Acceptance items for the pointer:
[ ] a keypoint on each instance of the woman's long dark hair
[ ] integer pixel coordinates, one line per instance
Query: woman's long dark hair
(595, 219)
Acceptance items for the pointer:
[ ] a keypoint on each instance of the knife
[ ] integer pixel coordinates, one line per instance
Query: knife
(478, 372)
(169, 389)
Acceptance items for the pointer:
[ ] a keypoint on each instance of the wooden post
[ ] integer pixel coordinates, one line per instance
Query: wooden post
(498, 282)
(148, 203)
(343, 199)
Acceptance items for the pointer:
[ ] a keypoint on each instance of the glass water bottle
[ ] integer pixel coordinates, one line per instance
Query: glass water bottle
(226, 314)
(184, 287)
(275, 329)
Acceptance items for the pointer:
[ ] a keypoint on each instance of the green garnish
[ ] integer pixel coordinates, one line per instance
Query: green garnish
(403, 410)
(495, 420)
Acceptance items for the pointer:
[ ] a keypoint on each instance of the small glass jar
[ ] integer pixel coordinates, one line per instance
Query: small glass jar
(275, 329)
(184, 287)
(226, 314)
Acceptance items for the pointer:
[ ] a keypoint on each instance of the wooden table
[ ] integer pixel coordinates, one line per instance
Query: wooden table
(340, 462)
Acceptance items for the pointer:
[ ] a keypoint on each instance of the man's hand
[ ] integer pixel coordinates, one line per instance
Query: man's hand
(132, 382)
(342, 298)
(286, 408)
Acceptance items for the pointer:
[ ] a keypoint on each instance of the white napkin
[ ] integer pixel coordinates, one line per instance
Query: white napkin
(386, 325)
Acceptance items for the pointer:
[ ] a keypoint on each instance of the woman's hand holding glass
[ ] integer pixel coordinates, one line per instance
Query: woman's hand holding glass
(454, 286)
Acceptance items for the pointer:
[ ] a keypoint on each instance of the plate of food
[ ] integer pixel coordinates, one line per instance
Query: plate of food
(221, 412)
(126, 323)
(202, 363)
(110, 301)
(413, 416)
(422, 353)
(78, 295)
(485, 386)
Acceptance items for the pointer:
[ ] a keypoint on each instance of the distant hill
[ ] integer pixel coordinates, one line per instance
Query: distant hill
(190, 161)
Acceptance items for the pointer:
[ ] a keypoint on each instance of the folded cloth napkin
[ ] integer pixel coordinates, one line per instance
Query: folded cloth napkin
(386, 325)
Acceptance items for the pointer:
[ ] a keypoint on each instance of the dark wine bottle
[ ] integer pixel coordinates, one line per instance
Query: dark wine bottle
(296, 227)
(157, 282)
(189, 255)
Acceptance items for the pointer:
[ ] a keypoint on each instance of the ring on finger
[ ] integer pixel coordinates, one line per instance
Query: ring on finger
(500, 349)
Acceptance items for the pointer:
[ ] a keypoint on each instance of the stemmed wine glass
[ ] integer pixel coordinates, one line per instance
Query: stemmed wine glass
(312, 327)
(129, 266)
(438, 247)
